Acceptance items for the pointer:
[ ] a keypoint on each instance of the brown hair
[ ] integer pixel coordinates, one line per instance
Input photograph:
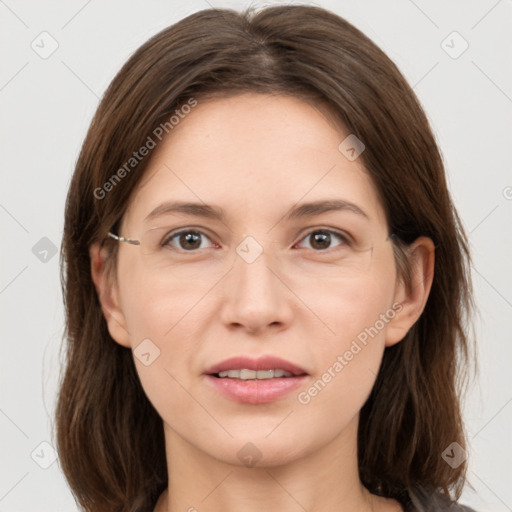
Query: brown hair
(109, 436)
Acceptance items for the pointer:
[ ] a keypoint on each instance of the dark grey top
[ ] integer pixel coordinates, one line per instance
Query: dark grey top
(421, 501)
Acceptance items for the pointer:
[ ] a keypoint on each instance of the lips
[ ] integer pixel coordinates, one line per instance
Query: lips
(259, 364)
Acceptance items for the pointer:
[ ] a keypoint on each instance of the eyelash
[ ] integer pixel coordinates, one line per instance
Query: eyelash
(342, 237)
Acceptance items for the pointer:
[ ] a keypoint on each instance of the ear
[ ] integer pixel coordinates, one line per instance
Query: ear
(413, 297)
(108, 295)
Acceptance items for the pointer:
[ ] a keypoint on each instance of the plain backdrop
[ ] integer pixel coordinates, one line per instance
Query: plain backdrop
(47, 102)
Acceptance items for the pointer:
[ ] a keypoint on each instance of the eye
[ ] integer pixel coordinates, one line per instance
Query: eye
(186, 240)
(322, 239)
(191, 240)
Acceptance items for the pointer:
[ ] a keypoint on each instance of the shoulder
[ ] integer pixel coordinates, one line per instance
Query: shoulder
(424, 501)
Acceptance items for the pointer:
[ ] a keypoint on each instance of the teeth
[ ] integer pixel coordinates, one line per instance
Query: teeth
(245, 374)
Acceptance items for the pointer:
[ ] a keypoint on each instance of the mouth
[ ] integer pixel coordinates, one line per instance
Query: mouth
(246, 374)
(255, 381)
(262, 368)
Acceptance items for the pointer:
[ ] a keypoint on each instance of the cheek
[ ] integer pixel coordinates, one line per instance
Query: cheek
(357, 312)
(164, 340)
(156, 303)
(165, 324)
(348, 305)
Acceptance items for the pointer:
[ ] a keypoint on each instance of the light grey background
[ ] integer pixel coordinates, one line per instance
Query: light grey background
(47, 104)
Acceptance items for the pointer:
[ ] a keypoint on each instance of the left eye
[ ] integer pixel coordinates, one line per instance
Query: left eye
(190, 240)
(321, 239)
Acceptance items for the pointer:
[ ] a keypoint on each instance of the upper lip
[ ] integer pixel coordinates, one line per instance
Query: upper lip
(260, 363)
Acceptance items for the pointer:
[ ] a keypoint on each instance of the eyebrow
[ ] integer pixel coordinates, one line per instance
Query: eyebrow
(299, 211)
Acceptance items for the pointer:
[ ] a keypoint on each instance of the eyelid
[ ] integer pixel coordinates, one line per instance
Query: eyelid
(310, 229)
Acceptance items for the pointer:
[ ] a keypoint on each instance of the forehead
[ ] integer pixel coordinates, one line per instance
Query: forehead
(256, 155)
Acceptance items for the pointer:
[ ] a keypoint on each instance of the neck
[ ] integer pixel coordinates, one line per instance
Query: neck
(326, 479)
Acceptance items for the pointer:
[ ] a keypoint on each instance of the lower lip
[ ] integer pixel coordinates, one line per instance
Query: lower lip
(255, 391)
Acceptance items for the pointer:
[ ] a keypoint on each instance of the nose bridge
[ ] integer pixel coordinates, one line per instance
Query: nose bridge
(251, 266)
(255, 295)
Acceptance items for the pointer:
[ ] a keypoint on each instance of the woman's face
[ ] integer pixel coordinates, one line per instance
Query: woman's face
(265, 277)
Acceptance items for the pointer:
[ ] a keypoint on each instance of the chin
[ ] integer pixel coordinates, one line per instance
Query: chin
(253, 451)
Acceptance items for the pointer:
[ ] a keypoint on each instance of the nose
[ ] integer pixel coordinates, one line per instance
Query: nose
(256, 297)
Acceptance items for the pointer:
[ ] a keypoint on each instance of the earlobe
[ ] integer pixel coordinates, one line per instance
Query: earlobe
(108, 296)
(413, 296)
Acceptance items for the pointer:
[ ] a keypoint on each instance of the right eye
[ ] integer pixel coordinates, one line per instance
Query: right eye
(187, 240)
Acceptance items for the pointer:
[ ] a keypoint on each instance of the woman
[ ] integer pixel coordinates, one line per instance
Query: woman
(265, 279)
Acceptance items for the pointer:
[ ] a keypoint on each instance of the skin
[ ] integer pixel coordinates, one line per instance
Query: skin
(256, 156)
